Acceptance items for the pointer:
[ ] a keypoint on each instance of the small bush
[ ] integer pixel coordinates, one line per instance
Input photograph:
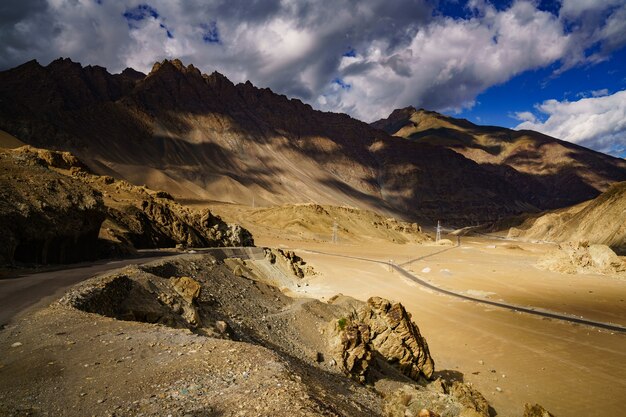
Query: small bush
(342, 323)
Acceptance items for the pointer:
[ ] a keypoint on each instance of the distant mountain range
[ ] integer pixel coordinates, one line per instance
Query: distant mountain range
(200, 136)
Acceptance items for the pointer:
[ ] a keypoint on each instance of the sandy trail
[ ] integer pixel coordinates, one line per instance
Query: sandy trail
(571, 369)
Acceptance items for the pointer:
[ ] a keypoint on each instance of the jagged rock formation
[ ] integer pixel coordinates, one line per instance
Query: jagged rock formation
(385, 329)
(288, 260)
(547, 172)
(598, 221)
(157, 222)
(582, 258)
(200, 136)
(46, 217)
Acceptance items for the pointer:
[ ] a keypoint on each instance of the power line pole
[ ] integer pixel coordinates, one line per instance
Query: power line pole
(334, 232)
(438, 238)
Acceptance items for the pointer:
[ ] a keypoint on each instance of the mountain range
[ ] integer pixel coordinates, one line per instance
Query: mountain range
(202, 137)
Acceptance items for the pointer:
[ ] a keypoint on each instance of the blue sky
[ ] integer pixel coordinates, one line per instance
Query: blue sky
(498, 104)
(556, 66)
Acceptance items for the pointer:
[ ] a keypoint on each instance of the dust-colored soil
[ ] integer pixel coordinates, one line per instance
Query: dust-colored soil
(9, 141)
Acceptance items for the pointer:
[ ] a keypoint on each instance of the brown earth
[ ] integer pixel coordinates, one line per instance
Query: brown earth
(201, 136)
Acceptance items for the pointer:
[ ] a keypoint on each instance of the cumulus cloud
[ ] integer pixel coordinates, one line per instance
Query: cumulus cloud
(595, 122)
(361, 57)
(450, 61)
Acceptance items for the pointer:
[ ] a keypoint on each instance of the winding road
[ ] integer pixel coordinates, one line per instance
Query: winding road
(22, 293)
(511, 307)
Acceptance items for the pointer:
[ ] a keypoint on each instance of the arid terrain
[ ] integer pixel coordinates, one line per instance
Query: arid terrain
(176, 244)
(531, 359)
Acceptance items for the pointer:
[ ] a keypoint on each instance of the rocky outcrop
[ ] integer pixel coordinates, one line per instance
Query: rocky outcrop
(52, 209)
(472, 401)
(386, 329)
(582, 258)
(289, 261)
(439, 398)
(131, 296)
(46, 217)
(158, 222)
(536, 411)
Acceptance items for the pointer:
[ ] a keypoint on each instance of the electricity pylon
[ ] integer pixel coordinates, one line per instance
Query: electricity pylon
(438, 238)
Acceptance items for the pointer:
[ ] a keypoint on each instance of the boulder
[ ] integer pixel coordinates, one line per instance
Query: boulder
(582, 258)
(397, 338)
(473, 402)
(187, 288)
(386, 329)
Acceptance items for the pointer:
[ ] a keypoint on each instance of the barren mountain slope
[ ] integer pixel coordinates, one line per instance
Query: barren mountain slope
(551, 173)
(201, 136)
(600, 221)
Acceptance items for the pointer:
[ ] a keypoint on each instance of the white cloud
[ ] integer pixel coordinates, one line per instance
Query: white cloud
(391, 53)
(596, 122)
(525, 116)
(450, 61)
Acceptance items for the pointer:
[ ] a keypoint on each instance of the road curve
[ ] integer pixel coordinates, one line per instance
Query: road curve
(511, 307)
(26, 291)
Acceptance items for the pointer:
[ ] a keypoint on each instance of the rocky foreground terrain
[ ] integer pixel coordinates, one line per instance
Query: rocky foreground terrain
(199, 335)
(54, 210)
(200, 136)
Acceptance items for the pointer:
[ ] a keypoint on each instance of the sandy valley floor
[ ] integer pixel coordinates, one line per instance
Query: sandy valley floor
(511, 357)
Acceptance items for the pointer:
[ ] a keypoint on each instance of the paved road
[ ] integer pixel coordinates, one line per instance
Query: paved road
(512, 307)
(20, 293)
(24, 292)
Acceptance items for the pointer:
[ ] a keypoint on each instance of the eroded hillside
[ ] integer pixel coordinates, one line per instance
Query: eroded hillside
(600, 221)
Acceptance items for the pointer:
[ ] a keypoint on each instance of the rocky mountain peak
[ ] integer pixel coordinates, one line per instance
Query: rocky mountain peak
(133, 74)
(173, 66)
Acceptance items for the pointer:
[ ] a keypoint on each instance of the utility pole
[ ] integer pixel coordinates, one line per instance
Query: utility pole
(438, 238)
(335, 232)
